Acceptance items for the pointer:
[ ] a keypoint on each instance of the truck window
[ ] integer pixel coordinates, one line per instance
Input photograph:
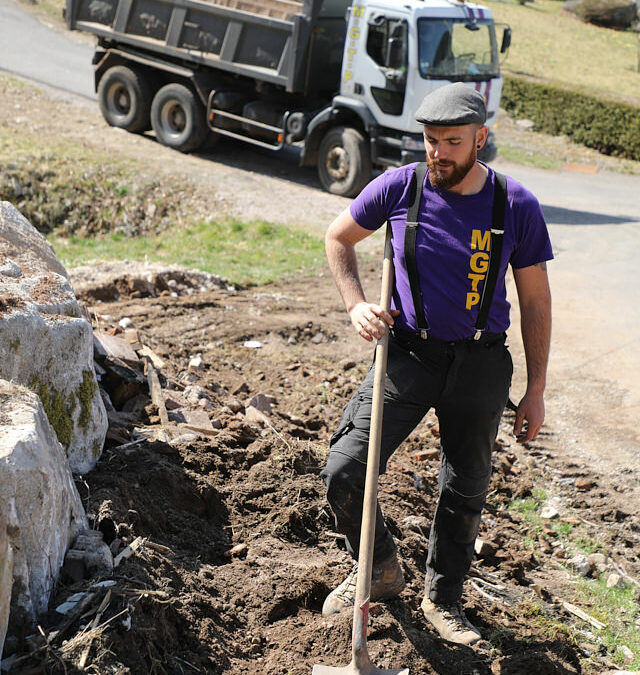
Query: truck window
(448, 49)
(386, 37)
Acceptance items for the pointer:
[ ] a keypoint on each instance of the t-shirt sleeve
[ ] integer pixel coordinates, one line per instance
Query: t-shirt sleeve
(369, 208)
(533, 245)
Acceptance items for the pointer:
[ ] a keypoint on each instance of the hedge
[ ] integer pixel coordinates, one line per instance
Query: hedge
(608, 126)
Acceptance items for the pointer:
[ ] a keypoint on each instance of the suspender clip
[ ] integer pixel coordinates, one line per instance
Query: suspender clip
(478, 335)
(423, 334)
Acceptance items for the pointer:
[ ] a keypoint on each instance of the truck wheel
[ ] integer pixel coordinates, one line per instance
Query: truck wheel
(344, 161)
(177, 117)
(125, 99)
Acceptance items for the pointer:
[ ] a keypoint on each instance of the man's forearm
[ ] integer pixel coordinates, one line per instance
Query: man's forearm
(344, 267)
(536, 336)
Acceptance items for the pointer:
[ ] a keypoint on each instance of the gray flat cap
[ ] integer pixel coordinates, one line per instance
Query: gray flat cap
(451, 106)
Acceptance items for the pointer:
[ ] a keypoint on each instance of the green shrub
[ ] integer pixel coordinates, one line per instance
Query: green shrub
(610, 127)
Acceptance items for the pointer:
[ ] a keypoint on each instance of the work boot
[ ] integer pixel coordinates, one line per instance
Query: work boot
(387, 581)
(450, 622)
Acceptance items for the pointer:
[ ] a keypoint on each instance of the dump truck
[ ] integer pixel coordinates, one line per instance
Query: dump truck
(339, 81)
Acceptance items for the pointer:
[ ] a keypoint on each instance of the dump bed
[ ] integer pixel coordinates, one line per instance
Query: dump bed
(267, 40)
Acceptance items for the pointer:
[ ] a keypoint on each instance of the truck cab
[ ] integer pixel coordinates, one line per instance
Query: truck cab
(395, 54)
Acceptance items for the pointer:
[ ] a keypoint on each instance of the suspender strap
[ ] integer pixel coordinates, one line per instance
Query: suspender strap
(410, 231)
(495, 251)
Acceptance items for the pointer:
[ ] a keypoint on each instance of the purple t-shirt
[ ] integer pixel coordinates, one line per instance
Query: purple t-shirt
(452, 248)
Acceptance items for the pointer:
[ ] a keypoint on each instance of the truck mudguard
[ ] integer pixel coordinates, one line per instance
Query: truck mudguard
(343, 110)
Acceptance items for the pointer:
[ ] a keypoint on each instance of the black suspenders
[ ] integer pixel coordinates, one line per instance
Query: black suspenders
(495, 250)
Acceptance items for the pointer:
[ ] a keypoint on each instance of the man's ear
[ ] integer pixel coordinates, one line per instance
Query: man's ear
(481, 136)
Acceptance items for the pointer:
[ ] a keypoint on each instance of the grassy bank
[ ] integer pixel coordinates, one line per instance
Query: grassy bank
(555, 47)
(243, 253)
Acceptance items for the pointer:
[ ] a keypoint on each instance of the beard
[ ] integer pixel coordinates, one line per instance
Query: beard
(456, 174)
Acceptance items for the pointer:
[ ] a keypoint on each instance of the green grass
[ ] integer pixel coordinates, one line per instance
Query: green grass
(553, 45)
(530, 157)
(243, 253)
(618, 609)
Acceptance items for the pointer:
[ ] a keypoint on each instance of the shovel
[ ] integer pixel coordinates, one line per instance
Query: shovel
(360, 661)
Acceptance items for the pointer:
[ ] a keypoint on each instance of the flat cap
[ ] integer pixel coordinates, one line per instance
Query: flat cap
(451, 106)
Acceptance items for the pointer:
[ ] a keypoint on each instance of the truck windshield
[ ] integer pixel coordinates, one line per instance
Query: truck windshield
(453, 49)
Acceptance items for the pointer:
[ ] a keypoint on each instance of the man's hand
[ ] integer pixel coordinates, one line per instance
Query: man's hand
(531, 410)
(371, 321)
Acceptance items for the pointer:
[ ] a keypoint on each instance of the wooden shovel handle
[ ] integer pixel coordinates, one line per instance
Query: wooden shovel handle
(365, 558)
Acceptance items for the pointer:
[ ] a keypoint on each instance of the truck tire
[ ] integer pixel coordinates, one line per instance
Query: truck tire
(125, 99)
(344, 161)
(177, 117)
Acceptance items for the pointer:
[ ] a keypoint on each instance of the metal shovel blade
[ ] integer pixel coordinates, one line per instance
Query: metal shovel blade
(353, 669)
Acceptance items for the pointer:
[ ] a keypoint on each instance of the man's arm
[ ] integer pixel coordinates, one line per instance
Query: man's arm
(369, 320)
(534, 295)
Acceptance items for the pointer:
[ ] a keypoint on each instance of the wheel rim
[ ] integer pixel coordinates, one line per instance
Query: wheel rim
(118, 100)
(173, 119)
(337, 163)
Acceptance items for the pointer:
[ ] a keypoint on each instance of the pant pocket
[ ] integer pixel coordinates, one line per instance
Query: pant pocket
(346, 423)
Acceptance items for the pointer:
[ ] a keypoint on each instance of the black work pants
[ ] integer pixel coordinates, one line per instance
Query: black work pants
(467, 383)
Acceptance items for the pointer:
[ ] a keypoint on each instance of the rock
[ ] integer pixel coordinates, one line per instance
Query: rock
(70, 603)
(484, 549)
(196, 364)
(584, 483)
(10, 269)
(237, 551)
(615, 580)
(44, 509)
(347, 364)
(580, 565)
(431, 453)
(97, 556)
(418, 524)
(6, 577)
(627, 655)
(199, 419)
(608, 13)
(125, 322)
(234, 405)
(263, 402)
(548, 513)
(193, 393)
(46, 344)
(20, 241)
(254, 416)
(252, 344)
(317, 338)
(598, 561)
(114, 347)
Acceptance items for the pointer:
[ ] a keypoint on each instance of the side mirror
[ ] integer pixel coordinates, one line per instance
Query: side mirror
(506, 40)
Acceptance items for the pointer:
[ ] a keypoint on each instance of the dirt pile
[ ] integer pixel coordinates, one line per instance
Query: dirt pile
(238, 550)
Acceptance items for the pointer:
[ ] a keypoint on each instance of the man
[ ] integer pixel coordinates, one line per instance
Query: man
(441, 354)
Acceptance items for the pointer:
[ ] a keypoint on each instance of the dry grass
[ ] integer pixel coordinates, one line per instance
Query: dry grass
(554, 46)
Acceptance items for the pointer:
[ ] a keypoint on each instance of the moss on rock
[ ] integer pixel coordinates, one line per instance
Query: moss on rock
(58, 409)
(85, 395)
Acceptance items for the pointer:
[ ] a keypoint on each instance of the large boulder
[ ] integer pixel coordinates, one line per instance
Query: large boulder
(45, 342)
(40, 503)
(6, 575)
(609, 13)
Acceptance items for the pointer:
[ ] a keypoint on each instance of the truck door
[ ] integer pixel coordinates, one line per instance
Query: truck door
(376, 61)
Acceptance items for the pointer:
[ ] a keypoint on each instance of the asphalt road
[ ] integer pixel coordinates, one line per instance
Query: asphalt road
(594, 220)
(30, 49)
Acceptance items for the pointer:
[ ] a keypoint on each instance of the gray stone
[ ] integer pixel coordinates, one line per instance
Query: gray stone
(6, 577)
(46, 344)
(263, 402)
(608, 13)
(580, 565)
(45, 509)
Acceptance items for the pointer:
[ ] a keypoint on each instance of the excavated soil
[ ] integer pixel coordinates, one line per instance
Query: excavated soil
(239, 550)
